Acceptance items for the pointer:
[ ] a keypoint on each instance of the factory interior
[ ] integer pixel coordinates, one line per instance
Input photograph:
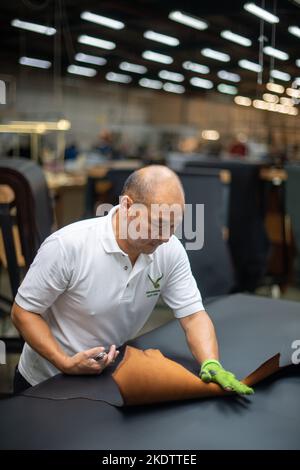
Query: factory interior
(184, 340)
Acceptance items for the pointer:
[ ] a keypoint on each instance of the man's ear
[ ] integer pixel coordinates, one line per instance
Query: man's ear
(125, 202)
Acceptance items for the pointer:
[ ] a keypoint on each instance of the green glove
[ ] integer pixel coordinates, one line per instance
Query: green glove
(212, 371)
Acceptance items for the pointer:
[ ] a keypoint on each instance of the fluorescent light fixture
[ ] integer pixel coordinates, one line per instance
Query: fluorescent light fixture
(286, 101)
(96, 42)
(295, 30)
(228, 89)
(275, 87)
(210, 134)
(270, 98)
(261, 13)
(285, 77)
(118, 77)
(242, 100)
(216, 55)
(296, 81)
(293, 93)
(194, 67)
(163, 38)
(188, 20)
(298, 62)
(173, 88)
(36, 28)
(260, 104)
(31, 62)
(201, 83)
(231, 77)
(148, 83)
(293, 111)
(173, 76)
(156, 57)
(271, 51)
(135, 68)
(102, 20)
(248, 65)
(230, 36)
(90, 59)
(279, 108)
(78, 70)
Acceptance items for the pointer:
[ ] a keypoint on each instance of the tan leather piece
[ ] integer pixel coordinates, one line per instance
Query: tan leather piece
(146, 377)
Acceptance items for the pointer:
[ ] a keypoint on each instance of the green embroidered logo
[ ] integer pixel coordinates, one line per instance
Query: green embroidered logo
(156, 286)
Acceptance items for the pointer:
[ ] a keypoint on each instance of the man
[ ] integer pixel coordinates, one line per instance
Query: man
(91, 288)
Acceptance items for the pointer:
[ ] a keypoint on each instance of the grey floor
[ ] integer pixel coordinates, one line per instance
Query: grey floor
(160, 315)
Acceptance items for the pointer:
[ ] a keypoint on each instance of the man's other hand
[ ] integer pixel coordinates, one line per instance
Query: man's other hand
(212, 371)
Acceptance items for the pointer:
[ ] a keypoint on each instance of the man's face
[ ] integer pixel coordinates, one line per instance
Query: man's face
(148, 226)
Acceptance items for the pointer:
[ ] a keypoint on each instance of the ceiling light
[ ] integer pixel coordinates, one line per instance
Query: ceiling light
(286, 101)
(135, 68)
(36, 28)
(201, 83)
(298, 62)
(173, 76)
(188, 20)
(271, 51)
(148, 83)
(296, 81)
(210, 134)
(260, 104)
(295, 30)
(118, 77)
(85, 71)
(212, 54)
(228, 89)
(31, 62)
(275, 87)
(248, 65)
(293, 93)
(231, 77)
(96, 42)
(280, 75)
(293, 111)
(156, 57)
(90, 59)
(194, 67)
(163, 38)
(270, 98)
(242, 100)
(173, 88)
(230, 36)
(261, 13)
(103, 20)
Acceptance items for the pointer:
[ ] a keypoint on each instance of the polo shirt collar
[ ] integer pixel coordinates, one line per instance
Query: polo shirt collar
(108, 238)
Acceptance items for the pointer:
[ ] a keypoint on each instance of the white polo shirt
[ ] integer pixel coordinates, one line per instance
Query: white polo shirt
(86, 289)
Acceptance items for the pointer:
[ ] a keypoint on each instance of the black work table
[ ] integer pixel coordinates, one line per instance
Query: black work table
(250, 330)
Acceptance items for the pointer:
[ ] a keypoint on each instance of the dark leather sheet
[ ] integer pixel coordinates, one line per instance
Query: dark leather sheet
(66, 387)
(250, 330)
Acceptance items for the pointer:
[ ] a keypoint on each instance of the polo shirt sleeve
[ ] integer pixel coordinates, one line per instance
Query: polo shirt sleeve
(180, 291)
(47, 277)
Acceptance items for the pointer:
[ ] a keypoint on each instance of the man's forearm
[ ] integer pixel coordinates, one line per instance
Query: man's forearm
(201, 336)
(37, 334)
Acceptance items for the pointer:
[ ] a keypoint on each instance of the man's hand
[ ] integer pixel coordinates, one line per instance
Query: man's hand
(83, 363)
(212, 371)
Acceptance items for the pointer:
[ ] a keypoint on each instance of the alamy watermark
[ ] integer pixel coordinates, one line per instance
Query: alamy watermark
(160, 221)
(296, 354)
